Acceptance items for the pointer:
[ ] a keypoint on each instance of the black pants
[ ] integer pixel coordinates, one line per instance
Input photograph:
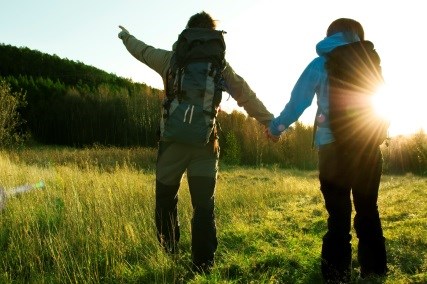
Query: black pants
(201, 165)
(343, 173)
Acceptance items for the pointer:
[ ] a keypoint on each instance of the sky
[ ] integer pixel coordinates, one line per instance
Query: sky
(269, 42)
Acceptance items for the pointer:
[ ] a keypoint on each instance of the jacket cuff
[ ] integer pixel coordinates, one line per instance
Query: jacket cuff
(276, 130)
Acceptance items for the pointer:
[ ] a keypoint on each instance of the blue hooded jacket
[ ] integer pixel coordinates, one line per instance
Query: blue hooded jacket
(313, 80)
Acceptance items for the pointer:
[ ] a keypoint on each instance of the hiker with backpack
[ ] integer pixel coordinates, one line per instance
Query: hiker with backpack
(348, 134)
(194, 73)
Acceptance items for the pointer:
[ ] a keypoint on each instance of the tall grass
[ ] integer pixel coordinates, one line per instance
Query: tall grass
(93, 222)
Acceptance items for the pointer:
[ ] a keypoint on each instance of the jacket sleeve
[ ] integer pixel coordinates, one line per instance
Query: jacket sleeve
(237, 87)
(301, 98)
(155, 58)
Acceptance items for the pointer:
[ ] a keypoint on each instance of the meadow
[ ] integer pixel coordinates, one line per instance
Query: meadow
(93, 222)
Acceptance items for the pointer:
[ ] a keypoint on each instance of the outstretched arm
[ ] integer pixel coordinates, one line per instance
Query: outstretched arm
(301, 97)
(237, 87)
(155, 58)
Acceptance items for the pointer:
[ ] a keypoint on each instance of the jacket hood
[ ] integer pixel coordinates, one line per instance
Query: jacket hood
(329, 43)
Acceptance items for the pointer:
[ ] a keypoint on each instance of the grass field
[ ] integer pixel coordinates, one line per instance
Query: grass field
(93, 222)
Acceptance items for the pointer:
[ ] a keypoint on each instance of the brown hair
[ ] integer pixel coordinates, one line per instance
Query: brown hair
(346, 25)
(201, 20)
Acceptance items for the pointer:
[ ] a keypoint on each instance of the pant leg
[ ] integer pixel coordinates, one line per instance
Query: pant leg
(202, 174)
(335, 187)
(166, 216)
(371, 247)
(172, 161)
(203, 229)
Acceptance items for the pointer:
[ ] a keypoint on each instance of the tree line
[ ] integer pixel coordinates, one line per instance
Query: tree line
(57, 101)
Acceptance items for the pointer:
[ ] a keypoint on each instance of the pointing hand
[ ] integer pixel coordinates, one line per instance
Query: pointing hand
(123, 32)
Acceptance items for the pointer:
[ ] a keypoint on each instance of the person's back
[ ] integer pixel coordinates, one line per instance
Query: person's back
(176, 155)
(343, 171)
(354, 77)
(194, 87)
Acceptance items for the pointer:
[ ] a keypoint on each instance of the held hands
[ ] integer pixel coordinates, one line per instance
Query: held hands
(270, 136)
(124, 32)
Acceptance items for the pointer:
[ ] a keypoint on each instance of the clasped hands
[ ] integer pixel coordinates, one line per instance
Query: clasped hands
(270, 136)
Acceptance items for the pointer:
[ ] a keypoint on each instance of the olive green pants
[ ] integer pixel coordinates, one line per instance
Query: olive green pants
(175, 158)
(201, 165)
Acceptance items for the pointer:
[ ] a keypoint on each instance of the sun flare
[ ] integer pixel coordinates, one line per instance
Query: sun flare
(383, 103)
(394, 103)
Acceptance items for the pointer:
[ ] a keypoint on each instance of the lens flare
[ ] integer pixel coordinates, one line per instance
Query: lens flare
(383, 102)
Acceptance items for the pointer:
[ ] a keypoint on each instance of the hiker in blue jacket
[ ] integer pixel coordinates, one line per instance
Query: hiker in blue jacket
(341, 172)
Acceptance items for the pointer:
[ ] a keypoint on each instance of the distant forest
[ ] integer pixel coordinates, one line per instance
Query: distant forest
(63, 102)
(70, 103)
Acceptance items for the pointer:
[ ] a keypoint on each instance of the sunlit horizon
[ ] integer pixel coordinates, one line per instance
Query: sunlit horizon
(269, 43)
(396, 128)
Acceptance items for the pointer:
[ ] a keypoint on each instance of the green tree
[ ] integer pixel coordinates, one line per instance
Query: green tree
(10, 120)
(232, 154)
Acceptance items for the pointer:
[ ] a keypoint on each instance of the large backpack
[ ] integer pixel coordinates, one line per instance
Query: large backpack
(354, 74)
(194, 87)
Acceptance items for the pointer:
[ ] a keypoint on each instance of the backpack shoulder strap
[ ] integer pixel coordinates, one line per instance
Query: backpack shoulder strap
(170, 77)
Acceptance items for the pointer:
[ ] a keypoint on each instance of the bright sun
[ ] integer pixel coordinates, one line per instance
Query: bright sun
(396, 103)
(383, 103)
